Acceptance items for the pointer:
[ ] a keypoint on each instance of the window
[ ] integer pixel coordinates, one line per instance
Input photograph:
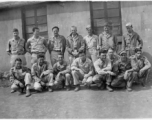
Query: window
(35, 16)
(101, 11)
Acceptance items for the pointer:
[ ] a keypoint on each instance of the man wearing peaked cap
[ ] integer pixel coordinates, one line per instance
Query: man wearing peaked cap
(106, 39)
(131, 40)
(124, 75)
(91, 42)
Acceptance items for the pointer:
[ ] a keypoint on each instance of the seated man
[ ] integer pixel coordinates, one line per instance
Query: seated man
(112, 56)
(123, 72)
(82, 70)
(20, 78)
(61, 72)
(141, 66)
(103, 69)
(41, 73)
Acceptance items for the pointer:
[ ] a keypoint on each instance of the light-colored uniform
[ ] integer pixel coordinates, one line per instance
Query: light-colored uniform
(17, 50)
(36, 47)
(86, 68)
(20, 77)
(101, 76)
(56, 45)
(74, 44)
(36, 71)
(91, 46)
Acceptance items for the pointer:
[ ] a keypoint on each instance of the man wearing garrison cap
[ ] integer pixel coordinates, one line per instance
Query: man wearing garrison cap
(123, 72)
(131, 40)
(91, 41)
(106, 39)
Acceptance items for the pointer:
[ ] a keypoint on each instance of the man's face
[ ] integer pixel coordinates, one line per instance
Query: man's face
(138, 54)
(129, 29)
(82, 56)
(103, 56)
(41, 61)
(36, 32)
(89, 30)
(110, 52)
(60, 58)
(123, 56)
(73, 30)
(106, 28)
(18, 64)
(55, 31)
(15, 34)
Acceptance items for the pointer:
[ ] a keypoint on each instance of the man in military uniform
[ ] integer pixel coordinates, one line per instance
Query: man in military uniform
(131, 40)
(106, 39)
(16, 48)
(56, 45)
(103, 69)
(141, 66)
(112, 56)
(20, 78)
(61, 72)
(74, 44)
(91, 41)
(123, 72)
(82, 70)
(36, 45)
(42, 74)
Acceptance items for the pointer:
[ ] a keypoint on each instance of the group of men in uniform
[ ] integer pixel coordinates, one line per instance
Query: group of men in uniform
(92, 60)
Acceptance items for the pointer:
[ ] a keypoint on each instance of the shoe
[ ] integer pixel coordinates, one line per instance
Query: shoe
(142, 84)
(109, 88)
(68, 88)
(13, 91)
(129, 89)
(21, 91)
(102, 87)
(28, 93)
(77, 88)
(50, 89)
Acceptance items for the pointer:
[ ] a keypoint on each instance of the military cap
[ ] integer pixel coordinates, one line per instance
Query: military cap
(138, 49)
(103, 50)
(107, 23)
(129, 25)
(121, 52)
(55, 27)
(88, 26)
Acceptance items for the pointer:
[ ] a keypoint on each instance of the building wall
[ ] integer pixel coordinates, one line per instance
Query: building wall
(140, 15)
(66, 14)
(9, 19)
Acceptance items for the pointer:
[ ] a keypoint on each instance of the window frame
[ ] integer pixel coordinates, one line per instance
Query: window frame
(24, 25)
(106, 14)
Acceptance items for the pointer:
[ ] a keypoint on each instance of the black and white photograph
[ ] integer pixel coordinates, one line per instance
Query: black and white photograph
(75, 59)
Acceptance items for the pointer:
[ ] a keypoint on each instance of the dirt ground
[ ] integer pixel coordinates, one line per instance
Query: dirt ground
(86, 103)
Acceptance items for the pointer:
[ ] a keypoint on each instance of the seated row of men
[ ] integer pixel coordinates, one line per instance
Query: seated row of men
(108, 71)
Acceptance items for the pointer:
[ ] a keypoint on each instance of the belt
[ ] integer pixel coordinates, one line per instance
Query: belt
(57, 50)
(17, 54)
(38, 52)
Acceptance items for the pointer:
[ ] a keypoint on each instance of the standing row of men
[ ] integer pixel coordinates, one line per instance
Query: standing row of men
(109, 69)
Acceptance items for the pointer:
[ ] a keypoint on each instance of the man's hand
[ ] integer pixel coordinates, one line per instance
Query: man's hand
(111, 73)
(141, 72)
(81, 71)
(38, 79)
(86, 76)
